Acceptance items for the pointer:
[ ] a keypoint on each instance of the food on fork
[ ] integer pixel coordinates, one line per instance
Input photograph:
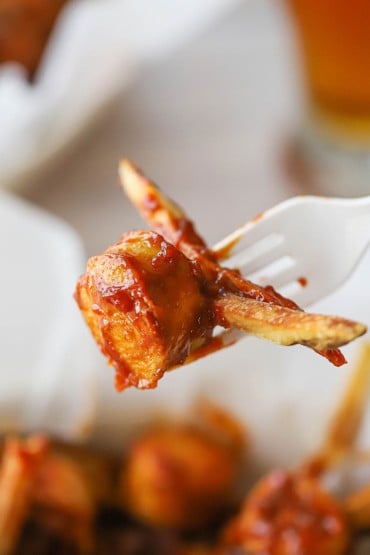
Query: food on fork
(25, 26)
(153, 299)
(126, 302)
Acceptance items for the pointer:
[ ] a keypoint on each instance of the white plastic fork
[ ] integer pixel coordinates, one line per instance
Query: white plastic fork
(305, 247)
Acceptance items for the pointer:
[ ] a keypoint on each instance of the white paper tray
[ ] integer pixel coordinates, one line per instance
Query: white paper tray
(91, 57)
(47, 358)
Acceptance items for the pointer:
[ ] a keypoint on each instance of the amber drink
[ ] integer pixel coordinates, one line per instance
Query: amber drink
(334, 37)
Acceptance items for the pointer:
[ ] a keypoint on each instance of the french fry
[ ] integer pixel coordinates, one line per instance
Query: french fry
(283, 325)
(347, 421)
(20, 463)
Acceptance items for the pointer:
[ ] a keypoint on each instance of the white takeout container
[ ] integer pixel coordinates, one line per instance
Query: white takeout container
(47, 358)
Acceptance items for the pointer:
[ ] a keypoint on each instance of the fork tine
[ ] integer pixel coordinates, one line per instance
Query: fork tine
(230, 245)
(303, 296)
(261, 255)
(255, 229)
(279, 273)
(241, 239)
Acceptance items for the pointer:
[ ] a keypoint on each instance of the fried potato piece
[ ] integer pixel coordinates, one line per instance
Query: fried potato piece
(182, 476)
(54, 490)
(68, 487)
(345, 425)
(98, 469)
(163, 215)
(285, 326)
(343, 432)
(357, 507)
(347, 420)
(143, 303)
(288, 514)
(153, 299)
(62, 500)
(21, 461)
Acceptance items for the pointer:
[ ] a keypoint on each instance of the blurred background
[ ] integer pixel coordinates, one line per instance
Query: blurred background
(230, 106)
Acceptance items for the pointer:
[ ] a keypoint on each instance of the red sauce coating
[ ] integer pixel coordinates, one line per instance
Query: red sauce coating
(302, 281)
(223, 253)
(145, 306)
(288, 514)
(335, 356)
(151, 203)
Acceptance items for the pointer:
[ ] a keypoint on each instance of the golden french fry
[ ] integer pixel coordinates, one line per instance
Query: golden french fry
(20, 463)
(285, 326)
(347, 420)
(357, 507)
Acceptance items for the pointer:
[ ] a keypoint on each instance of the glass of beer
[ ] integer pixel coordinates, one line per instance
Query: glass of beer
(334, 36)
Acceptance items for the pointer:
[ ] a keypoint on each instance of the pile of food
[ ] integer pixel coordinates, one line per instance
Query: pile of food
(25, 27)
(178, 490)
(167, 494)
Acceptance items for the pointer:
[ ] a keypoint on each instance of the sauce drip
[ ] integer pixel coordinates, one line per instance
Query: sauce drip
(302, 281)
